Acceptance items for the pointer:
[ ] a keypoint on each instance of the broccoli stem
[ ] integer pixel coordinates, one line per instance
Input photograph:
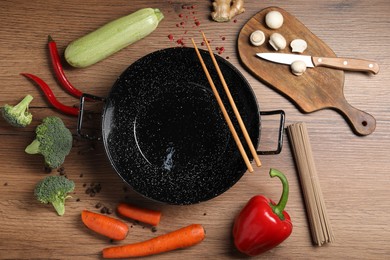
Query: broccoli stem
(33, 148)
(59, 205)
(23, 105)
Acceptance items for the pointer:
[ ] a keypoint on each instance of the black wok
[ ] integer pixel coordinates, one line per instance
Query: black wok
(164, 133)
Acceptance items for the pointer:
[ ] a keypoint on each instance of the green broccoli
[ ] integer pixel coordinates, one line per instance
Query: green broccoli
(54, 189)
(53, 140)
(18, 115)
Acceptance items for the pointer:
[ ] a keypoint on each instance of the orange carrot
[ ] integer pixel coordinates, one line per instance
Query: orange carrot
(181, 238)
(147, 216)
(105, 225)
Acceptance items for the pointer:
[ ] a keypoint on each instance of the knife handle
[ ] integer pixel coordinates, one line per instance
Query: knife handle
(347, 64)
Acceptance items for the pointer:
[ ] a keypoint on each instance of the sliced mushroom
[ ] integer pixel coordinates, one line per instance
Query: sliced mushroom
(257, 38)
(277, 41)
(298, 45)
(298, 67)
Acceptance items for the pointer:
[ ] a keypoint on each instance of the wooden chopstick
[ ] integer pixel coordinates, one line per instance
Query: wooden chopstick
(233, 104)
(224, 112)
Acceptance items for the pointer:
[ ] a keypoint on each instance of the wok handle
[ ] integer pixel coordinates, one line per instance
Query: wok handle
(281, 131)
(81, 115)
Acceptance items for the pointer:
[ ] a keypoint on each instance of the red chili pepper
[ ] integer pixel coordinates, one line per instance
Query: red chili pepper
(58, 69)
(262, 225)
(50, 96)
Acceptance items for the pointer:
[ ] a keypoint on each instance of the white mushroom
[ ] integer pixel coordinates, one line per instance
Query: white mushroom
(298, 67)
(257, 38)
(298, 45)
(277, 41)
(274, 19)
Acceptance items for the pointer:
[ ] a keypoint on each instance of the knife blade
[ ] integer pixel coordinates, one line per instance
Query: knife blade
(330, 62)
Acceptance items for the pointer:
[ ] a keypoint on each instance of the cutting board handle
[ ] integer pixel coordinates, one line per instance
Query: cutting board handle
(361, 122)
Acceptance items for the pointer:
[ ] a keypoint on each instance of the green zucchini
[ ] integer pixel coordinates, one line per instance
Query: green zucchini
(112, 37)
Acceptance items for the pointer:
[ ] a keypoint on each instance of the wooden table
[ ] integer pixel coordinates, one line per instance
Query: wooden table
(353, 170)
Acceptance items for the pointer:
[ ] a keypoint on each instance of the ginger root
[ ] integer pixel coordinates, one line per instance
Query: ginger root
(225, 10)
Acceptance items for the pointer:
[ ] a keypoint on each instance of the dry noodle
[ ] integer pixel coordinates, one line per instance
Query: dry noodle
(321, 230)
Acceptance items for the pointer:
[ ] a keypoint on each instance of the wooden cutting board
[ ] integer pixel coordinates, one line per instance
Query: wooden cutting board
(317, 88)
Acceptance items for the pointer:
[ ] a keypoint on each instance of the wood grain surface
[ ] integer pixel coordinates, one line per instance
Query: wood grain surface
(353, 170)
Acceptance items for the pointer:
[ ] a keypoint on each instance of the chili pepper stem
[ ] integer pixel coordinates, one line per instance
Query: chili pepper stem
(279, 208)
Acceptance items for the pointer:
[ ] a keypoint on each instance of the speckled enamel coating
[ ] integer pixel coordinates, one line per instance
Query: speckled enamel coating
(164, 132)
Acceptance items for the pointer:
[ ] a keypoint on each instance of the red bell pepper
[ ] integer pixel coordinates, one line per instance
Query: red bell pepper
(262, 225)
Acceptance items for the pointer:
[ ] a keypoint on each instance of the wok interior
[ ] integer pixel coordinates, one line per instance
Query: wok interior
(181, 128)
(164, 132)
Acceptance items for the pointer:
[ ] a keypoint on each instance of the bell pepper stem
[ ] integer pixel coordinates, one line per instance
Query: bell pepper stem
(279, 208)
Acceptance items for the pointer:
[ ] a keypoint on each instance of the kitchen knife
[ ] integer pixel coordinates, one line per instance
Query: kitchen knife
(311, 61)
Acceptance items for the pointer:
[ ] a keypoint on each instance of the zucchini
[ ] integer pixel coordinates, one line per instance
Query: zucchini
(112, 37)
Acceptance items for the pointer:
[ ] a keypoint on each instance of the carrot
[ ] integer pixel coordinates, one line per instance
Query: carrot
(181, 238)
(105, 225)
(147, 216)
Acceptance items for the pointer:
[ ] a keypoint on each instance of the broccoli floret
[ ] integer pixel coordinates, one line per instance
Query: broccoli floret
(53, 141)
(18, 115)
(54, 190)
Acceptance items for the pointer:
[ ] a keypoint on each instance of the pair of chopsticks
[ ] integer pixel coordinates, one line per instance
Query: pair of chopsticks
(223, 109)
